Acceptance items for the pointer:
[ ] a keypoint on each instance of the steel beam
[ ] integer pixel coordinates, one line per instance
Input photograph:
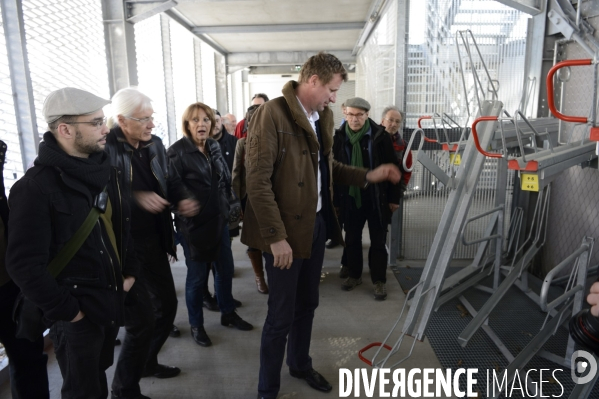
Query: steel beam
(220, 77)
(212, 30)
(119, 37)
(174, 14)
(137, 12)
(169, 86)
(18, 64)
(532, 7)
(374, 13)
(282, 58)
(401, 52)
(197, 58)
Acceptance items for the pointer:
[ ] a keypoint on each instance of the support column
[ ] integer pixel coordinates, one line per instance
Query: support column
(197, 57)
(534, 81)
(220, 76)
(401, 52)
(119, 36)
(14, 32)
(169, 88)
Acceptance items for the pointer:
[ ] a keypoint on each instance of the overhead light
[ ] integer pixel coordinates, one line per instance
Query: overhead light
(297, 68)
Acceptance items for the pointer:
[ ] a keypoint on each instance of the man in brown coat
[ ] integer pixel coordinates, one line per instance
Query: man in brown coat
(289, 214)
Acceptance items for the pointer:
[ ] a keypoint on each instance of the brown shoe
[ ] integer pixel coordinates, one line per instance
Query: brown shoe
(256, 259)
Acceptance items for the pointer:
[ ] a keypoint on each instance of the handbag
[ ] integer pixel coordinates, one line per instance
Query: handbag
(26, 315)
(234, 210)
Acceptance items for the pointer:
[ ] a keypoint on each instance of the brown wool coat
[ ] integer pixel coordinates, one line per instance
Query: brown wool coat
(281, 175)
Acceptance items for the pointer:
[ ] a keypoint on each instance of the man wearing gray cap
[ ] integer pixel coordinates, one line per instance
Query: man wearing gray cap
(361, 142)
(72, 191)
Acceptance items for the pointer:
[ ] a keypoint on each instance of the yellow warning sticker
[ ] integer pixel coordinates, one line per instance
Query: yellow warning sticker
(530, 182)
(455, 159)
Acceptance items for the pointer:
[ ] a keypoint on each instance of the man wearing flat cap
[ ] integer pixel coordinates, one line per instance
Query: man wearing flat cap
(51, 204)
(360, 142)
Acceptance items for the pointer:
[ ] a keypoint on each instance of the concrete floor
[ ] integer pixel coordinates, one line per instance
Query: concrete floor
(344, 323)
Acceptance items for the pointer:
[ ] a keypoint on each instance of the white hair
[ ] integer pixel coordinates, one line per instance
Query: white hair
(126, 102)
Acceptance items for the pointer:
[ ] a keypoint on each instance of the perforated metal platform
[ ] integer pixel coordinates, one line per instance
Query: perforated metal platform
(516, 320)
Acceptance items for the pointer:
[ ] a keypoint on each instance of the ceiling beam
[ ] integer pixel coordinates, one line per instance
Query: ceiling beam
(283, 57)
(374, 14)
(138, 10)
(211, 30)
(174, 14)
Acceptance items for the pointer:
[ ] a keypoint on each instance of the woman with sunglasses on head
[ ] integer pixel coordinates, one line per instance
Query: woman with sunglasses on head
(205, 237)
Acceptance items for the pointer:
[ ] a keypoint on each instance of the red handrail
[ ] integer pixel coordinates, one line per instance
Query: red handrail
(420, 126)
(475, 136)
(550, 94)
(362, 358)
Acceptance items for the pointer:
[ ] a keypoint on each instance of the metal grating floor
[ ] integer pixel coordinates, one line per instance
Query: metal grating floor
(515, 320)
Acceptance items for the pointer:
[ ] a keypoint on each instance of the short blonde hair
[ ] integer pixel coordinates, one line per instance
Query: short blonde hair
(189, 111)
(323, 65)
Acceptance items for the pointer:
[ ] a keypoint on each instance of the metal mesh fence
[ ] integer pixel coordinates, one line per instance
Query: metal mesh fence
(183, 70)
(13, 168)
(434, 85)
(573, 211)
(375, 69)
(150, 71)
(73, 33)
(208, 76)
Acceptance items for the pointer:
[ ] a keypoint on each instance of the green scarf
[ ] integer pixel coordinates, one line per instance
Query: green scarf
(356, 157)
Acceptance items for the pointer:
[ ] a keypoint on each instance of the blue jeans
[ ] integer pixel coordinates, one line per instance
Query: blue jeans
(197, 274)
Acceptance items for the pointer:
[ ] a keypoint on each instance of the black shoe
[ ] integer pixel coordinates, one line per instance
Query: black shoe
(162, 371)
(331, 244)
(113, 396)
(199, 335)
(233, 319)
(175, 333)
(210, 303)
(313, 378)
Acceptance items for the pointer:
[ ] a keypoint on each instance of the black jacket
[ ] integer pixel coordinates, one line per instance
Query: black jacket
(228, 143)
(47, 208)
(171, 187)
(196, 171)
(384, 193)
(3, 211)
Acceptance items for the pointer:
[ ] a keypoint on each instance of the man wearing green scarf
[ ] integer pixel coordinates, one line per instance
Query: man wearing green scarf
(360, 142)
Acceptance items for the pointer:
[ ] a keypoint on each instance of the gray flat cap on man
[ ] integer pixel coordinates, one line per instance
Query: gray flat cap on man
(71, 101)
(358, 102)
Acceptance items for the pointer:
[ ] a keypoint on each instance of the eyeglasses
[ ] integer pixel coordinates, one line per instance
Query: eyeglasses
(398, 121)
(359, 116)
(142, 120)
(97, 123)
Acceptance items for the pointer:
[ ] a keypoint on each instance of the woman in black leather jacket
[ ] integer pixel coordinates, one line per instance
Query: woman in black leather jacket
(198, 160)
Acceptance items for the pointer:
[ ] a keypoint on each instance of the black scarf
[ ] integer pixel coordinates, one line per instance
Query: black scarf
(93, 172)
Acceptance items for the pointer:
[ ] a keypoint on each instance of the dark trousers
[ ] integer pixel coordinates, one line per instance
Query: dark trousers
(292, 299)
(27, 360)
(197, 277)
(377, 254)
(149, 319)
(84, 351)
(139, 331)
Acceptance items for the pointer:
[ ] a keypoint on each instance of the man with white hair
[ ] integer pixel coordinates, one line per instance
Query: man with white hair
(69, 249)
(152, 184)
(230, 121)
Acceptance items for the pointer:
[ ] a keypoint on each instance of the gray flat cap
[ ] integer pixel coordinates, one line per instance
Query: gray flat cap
(358, 102)
(71, 101)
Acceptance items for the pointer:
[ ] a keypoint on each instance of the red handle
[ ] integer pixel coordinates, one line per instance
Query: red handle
(550, 99)
(475, 136)
(420, 126)
(362, 358)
